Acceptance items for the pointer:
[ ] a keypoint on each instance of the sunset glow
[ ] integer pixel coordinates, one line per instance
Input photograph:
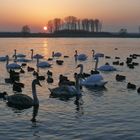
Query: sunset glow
(113, 13)
(45, 28)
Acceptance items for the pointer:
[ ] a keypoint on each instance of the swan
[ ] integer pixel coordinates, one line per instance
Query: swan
(57, 54)
(18, 55)
(12, 65)
(43, 64)
(95, 80)
(97, 54)
(80, 57)
(22, 101)
(23, 60)
(3, 58)
(36, 56)
(66, 90)
(106, 67)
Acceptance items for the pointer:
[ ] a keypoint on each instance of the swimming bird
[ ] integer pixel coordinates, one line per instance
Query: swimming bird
(43, 64)
(18, 55)
(23, 101)
(80, 57)
(12, 65)
(66, 91)
(106, 67)
(36, 55)
(3, 58)
(131, 86)
(120, 77)
(57, 54)
(95, 80)
(97, 54)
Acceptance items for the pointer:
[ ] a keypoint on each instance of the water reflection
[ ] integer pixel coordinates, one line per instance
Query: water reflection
(35, 112)
(96, 91)
(79, 105)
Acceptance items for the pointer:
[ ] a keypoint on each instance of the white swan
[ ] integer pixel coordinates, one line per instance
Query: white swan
(23, 60)
(107, 67)
(12, 65)
(80, 57)
(43, 64)
(3, 58)
(23, 101)
(66, 90)
(18, 55)
(95, 80)
(36, 55)
(57, 54)
(97, 54)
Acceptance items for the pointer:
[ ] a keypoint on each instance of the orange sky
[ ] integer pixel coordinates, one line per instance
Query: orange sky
(115, 14)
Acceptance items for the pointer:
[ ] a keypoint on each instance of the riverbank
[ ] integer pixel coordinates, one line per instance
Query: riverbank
(70, 34)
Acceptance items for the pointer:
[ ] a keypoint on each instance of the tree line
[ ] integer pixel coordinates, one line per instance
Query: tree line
(72, 23)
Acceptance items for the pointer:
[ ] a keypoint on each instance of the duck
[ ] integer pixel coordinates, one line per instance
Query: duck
(63, 80)
(23, 101)
(49, 73)
(30, 69)
(49, 79)
(107, 67)
(120, 77)
(3, 94)
(59, 62)
(131, 86)
(138, 90)
(66, 91)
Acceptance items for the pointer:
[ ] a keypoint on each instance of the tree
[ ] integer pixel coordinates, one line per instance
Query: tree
(25, 29)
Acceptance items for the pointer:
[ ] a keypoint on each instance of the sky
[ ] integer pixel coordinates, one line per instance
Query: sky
(114, 14)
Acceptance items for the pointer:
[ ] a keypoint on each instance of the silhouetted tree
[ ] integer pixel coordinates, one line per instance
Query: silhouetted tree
(57, 24)
(25, 29)
(50, 26)
(97, 22)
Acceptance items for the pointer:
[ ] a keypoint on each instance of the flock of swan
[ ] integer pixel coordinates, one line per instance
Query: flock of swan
(66, 87)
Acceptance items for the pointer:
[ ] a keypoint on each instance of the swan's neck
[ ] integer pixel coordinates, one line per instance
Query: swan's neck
(35, 99)
(96, 64)
(93, 52)
(7, 62)
(52, 54)
(37, 64)
(81, 69)
(31, 54)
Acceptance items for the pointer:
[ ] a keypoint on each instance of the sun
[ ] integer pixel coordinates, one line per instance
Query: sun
(45, 28)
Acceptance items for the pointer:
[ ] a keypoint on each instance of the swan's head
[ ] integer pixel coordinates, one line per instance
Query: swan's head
(7, 57)
(36, 82)
(96, 58)
(93, 51)
(79, 66)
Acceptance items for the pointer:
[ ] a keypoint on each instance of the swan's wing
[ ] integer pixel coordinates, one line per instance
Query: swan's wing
(106, 68)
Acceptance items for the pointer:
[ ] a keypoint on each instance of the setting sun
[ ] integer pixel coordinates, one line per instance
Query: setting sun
(45, 28)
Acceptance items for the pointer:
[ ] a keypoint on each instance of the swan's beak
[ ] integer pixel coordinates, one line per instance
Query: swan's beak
(39, 83)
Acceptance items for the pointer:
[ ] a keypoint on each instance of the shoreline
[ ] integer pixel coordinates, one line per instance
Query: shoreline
(69, 35)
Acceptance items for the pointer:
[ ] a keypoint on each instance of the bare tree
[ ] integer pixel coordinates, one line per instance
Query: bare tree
(97, 25)
(25, 29)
